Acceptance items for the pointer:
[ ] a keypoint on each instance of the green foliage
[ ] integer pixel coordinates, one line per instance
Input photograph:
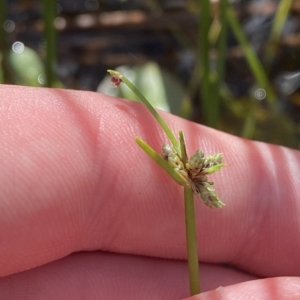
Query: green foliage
(248, 116)
(28, 68)
(245, 117)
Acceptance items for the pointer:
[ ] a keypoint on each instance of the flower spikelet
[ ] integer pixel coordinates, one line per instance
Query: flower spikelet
(172, 157)
(196, 170)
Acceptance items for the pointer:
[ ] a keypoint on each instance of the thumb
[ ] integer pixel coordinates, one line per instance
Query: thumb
(278, 288)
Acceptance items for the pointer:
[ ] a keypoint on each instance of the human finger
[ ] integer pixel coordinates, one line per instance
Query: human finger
(73, 179)
(281, 288)
(99, 275)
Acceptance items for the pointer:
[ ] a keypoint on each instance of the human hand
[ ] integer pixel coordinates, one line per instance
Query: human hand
(85, 214)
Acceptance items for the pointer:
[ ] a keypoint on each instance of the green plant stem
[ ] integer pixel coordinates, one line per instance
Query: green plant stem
(250, 122)
(217, 72)
(222, 47)
(155, 114)
(252, 59)
(3, 18)
(3, 44)
(204, 61)
(279, 20)
(50, 37)
(191, 236)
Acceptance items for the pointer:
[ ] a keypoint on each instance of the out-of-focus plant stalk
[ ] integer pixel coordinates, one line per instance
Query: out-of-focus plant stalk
(3, 43)
(50, 38)
(251, 57)
(204, 60)
(277, 27)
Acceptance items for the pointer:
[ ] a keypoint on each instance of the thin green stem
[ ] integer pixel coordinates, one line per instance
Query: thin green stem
(157, 117)
(191, 237)
(181, 177)
(50, 37)
(222, 47)
(250, 122)
(204, 61)
(3, 43)
(3, 18)
(252, 59)
(279, 20)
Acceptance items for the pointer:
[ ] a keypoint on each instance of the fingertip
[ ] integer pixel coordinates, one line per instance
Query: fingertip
(279, 288)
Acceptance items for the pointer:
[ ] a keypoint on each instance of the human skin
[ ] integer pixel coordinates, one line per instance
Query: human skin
(85, 214)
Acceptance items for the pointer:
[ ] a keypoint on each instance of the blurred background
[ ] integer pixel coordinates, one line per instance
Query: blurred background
(229, 64)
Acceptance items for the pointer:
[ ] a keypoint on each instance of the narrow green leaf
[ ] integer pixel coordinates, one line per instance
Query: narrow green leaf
(50, 8)
(203, 65)
(163, 163)
(251, 56)
(5, 73)
(214, 169)
(279, 20)
(278, 24)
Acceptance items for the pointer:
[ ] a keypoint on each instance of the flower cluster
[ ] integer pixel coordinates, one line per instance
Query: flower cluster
(195, 171)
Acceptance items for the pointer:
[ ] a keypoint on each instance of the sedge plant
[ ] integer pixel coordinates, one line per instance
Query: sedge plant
(191, 173)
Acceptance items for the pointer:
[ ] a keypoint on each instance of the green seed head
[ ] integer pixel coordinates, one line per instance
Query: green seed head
(196, 170)
(205, 191)
(170, 155)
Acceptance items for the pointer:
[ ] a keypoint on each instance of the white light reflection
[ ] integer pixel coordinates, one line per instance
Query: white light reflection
(41, 79)
(289, 82)
(18, 47)
(9, 26)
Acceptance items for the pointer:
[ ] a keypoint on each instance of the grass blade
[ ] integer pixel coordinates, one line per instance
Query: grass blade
(251, 57)
(278, 23)
(50, 37)
(203, 67)
(4, 76)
